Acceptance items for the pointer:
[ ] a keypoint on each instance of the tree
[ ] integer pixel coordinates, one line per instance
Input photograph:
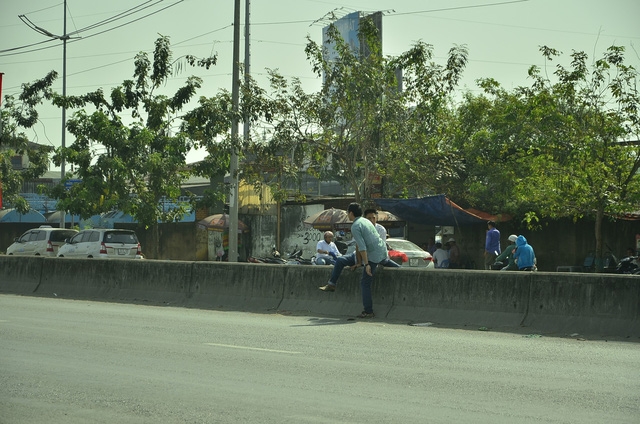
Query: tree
(361, 123)
(143, 161)
(565, 147)
(17, 116)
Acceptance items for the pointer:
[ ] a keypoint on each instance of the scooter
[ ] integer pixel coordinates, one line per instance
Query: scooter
(274, 259)
(295, 258)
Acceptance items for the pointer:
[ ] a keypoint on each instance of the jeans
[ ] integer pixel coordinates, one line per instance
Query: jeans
(365, 282)
(365, 285)
(341, 262)
(390, 263)
(325, 261)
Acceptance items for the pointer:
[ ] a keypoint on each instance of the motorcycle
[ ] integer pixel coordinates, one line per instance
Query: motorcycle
(628, 265)
(295, 258)
(273, 259)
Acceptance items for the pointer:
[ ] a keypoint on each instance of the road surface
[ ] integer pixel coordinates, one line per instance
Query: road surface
(71, 361)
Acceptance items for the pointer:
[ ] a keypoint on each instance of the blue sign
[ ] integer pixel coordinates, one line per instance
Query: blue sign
(69, 183)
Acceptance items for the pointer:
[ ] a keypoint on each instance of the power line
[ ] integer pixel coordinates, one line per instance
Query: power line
(13, 51)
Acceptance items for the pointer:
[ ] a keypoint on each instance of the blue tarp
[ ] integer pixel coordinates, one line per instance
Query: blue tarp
(434, 210)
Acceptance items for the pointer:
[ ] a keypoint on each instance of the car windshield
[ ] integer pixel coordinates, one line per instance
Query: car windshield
(120, 237)
(403, 245)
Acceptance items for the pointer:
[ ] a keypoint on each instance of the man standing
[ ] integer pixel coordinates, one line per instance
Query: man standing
(372, 215)
(372, 249)
(491, 245)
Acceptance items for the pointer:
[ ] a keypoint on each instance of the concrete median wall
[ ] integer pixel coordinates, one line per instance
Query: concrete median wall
(554, 302)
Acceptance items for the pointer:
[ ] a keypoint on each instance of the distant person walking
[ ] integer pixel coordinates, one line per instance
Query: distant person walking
(491, 245)
(372, 249)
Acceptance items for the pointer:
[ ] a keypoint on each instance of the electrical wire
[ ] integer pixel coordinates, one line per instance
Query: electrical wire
(14, 51)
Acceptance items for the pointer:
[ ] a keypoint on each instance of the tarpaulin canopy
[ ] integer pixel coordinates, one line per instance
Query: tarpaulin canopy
(435, 210)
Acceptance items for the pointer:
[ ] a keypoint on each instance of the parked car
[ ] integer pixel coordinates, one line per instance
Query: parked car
(102, 243)
(42, 241)
(416, 256)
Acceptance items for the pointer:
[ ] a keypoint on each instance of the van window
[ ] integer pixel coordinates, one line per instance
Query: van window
(61, 235)
(95, 236)
(85, 236)
(42, 235)
(120, 237)
(25, 237)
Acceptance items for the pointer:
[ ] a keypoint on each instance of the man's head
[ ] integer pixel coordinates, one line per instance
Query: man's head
(355, 209)
(328, 236)
(371, 215)
(491, 224)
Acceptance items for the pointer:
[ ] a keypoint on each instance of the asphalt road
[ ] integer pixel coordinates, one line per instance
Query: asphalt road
(64, 361)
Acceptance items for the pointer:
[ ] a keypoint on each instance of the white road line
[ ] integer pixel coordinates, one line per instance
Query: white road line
(251, 348)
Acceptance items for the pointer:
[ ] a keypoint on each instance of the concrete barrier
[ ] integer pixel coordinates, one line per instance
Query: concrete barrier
(244, 287)
(20, 275)
(563, 303)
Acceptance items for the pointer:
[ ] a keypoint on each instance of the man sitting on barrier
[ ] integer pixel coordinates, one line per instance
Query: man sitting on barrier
(372, 249)
(326, 250)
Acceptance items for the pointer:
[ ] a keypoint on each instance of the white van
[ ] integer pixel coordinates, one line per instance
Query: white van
(42, 241)
(102, 243)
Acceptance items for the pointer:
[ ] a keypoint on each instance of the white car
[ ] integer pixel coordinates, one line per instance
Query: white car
(42, 241)
(102, 243)
(416, 256)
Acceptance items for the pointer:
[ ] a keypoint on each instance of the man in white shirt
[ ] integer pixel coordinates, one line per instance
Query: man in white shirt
(441, 257)
(326, 250)
(372, 215)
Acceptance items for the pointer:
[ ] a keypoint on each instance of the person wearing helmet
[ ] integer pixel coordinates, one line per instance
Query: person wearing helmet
(506, 257)
(326, 250)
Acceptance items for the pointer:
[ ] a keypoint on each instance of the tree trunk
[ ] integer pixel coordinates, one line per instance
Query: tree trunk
(598, 234)
(154, 241)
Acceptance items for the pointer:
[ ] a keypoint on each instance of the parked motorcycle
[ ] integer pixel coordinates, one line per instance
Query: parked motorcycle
(628, 265)
(273, 259)
(295, 258)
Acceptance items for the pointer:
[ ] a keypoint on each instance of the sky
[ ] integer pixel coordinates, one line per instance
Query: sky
(503, 38)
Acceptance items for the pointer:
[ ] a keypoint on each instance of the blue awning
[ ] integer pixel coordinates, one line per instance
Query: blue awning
(435, 210)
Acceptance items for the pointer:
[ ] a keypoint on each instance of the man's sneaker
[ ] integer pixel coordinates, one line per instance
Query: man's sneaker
(328, 288)
(366, 315)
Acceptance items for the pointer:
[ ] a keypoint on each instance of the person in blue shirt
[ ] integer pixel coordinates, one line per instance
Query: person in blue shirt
(491, 245)
(524, 256)
(371, 249)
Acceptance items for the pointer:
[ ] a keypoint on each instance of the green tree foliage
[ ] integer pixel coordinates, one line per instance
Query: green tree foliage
(127, 149)
(209, 126)
(567, 146)
(16, 117)
(361, 124)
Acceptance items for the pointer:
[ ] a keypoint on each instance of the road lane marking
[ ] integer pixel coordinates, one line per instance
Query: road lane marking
(252, 348)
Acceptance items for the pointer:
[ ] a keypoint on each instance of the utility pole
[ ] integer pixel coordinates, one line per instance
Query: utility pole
(233, 168)
(64, 37)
